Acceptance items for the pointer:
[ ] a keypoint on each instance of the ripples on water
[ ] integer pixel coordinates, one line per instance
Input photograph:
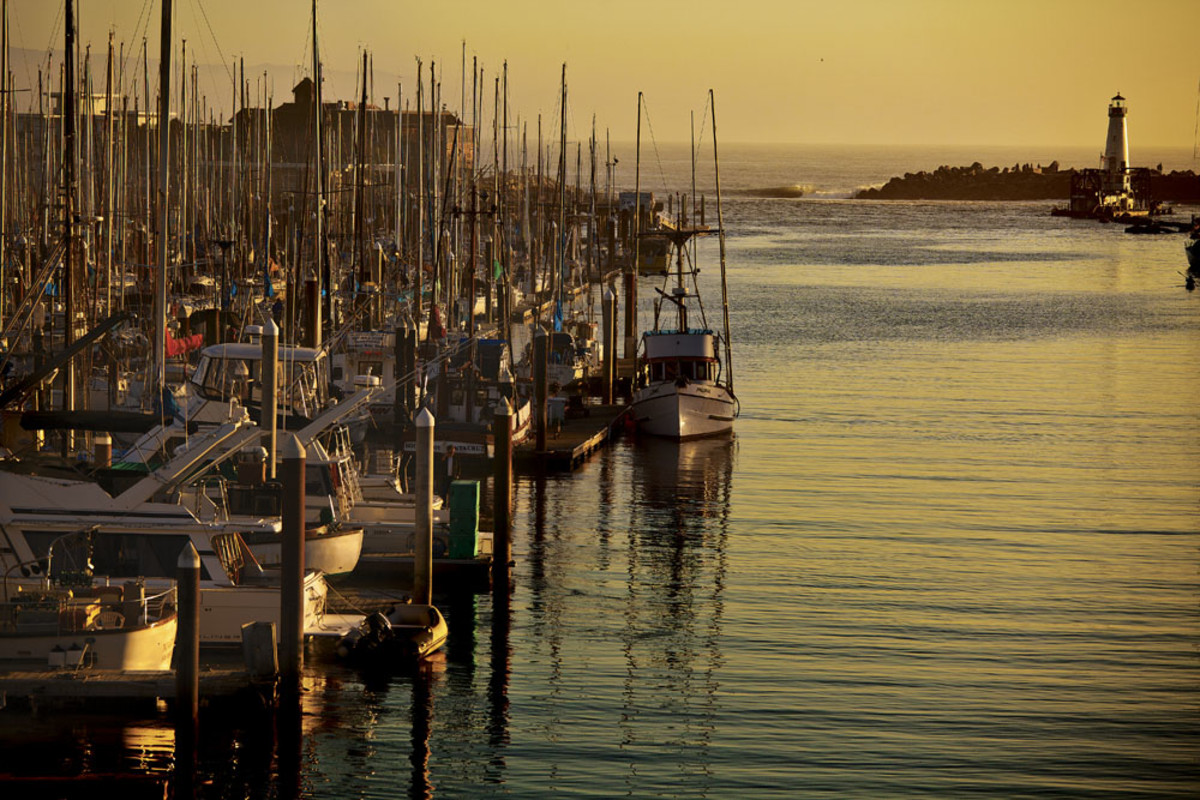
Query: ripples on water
(951, 551)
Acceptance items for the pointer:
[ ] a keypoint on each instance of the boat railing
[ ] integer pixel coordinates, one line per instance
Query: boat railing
(207, 498)
(50, 610)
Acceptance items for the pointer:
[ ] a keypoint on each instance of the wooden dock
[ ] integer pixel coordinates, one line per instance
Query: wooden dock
(571, 443)
(74, 687)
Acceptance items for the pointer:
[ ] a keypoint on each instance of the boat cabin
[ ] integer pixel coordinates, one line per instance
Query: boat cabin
(671, 356)
(234, 371)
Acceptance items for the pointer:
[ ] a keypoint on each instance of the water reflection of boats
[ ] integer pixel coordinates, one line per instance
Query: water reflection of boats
(691, 477)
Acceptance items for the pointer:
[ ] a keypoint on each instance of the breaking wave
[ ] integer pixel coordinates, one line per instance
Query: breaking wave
(794, 190)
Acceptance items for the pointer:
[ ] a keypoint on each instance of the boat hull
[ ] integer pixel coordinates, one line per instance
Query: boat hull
(225, 609)
(333, 552)
(691, 411)
(139, 649)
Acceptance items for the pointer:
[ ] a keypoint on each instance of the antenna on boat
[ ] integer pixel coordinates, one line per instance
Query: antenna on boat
(721, 234)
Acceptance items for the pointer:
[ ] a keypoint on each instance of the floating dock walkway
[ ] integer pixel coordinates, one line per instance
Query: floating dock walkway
(570, 442)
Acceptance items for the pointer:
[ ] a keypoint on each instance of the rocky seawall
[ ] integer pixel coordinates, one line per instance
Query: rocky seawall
(1018, 182)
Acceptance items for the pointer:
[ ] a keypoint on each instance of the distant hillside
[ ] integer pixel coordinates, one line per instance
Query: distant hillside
(1018, 182)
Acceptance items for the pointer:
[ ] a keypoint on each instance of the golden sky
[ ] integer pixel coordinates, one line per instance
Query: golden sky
(1006, 72)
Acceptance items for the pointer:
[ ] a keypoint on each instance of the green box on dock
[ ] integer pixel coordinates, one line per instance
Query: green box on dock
(464, 519)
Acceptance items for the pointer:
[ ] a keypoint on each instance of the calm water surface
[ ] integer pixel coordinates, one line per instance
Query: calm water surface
(951, 550)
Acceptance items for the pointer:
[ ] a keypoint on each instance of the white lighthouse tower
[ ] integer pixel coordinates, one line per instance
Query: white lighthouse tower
(1115, 163)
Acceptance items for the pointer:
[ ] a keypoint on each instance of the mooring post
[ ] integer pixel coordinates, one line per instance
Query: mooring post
(187, 640)
(501, 491)
(423, 546)
(541, 351)
(270, 391)
(291, 582)
(608, 310)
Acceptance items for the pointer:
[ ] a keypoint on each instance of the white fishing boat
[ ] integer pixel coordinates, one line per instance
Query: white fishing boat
(684, 388)
(682, 391)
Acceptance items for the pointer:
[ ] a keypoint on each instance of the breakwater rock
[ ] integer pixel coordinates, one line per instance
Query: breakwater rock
(1018, 182)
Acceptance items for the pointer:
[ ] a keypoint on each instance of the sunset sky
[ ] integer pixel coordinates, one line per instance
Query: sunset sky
(1006, 72)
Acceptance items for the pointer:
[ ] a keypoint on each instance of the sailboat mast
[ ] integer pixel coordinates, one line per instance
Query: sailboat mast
(562, 206)
(631, 271)
(4, 151)
(319, 140)
(419, 292)
(721, 237)
(68, 282)
(364, 274)
(164, 187)
(108, 180)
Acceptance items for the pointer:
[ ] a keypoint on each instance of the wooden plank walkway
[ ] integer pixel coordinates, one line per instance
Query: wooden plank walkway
(576, 439)
(70, 686)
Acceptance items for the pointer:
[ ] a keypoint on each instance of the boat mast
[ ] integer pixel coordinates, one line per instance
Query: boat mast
(631, 272)
(721, 237)
(164, 186)
(562, 207)
(4, 151)
(68, 282)
(319, 137)
(419, 291)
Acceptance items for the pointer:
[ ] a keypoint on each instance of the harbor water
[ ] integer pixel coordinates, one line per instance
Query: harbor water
(950, 550)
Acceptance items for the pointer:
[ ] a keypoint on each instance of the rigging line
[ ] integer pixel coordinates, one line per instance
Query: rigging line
(654, 144)
(204, 48)
(54, 34)
(703, 127)
(143, 19)
(211, 33)
(28, 74)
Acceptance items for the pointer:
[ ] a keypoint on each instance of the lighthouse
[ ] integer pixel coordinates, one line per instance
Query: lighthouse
(1115, 163)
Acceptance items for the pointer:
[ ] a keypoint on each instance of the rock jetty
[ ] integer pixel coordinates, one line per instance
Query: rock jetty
(1018, 182)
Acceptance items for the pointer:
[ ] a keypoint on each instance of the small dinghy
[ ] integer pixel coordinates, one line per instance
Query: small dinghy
(405, 634)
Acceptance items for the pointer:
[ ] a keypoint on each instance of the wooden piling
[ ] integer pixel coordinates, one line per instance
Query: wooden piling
(291, 595)
(423, 534)
(270, 391)
(502, 463)
(541, 351)
(608, 310)
(187, 639)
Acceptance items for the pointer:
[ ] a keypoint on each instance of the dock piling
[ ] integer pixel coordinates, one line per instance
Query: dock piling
(423, 534)
(187, 638)
(270, 391)
(291, 615)
(541, 348)
(502, 491)
(608, 309)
